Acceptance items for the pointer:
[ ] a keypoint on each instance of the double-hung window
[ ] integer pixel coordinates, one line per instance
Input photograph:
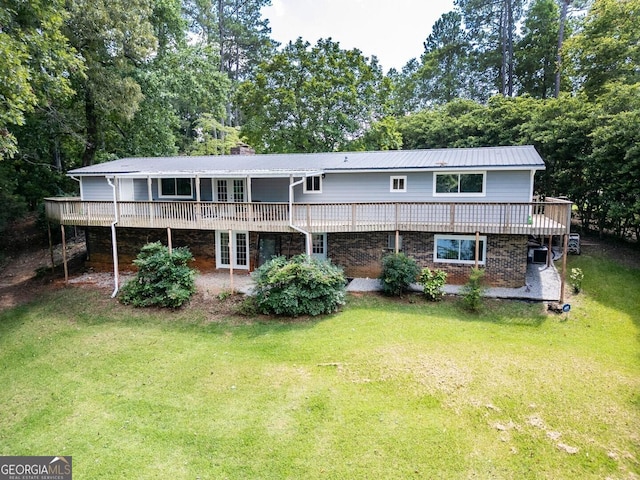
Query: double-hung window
(468, 184)
(459, 249)
(398, 184)
(313, 184)
(176, 188)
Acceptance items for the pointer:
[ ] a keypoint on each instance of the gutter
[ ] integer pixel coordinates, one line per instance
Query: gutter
(116, 277)
(306, 234)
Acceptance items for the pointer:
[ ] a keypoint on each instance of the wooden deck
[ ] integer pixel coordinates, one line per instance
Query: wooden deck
(551, 217)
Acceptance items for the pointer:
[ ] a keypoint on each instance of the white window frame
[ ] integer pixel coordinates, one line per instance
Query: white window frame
(322, 255)
(460, 194)
(234, 246)
(306, 179)
(402, 178)
(391, 242)
(175, 179)
(231, 196)
(483, 250)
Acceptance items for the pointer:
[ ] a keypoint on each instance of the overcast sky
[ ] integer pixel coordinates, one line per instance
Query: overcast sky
(392, 30)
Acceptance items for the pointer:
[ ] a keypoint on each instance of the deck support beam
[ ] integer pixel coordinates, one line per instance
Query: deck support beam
(64, 255)
(563, 275)
(169, 241)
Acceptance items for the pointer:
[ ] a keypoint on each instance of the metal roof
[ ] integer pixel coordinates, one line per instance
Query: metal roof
(300, 164)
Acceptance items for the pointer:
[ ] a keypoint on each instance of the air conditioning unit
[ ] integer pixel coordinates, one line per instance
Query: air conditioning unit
(538, 255)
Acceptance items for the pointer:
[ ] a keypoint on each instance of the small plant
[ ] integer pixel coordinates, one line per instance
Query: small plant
(223, 295)
(300, 286)
(473, 290)
(164, 279)
(398, 273)
(576, 277)
(432, 282)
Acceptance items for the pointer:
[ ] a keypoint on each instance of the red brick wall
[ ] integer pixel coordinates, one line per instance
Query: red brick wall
(361, 256)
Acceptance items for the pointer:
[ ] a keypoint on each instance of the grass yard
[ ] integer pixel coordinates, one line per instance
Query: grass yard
(384, 389)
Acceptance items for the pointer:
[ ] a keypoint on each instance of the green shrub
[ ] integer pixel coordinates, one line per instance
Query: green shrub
(164, 279)
(473, 290)
(398, 272)
(300, 286)
(576, 278)
(432, 282)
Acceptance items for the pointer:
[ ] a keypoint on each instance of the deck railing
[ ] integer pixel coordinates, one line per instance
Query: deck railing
(550, 217)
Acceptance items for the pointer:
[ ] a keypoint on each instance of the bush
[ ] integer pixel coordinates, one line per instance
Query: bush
(473, 290)
(398, 272)
(432, 282)
(576, 278)
(163, 278)
(300, 286)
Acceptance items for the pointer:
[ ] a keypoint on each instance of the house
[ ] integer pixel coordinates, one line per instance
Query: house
(448, 208)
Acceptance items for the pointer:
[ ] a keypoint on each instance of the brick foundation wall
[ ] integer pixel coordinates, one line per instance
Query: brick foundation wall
(131, 240)
(360, 254)
(201, 243)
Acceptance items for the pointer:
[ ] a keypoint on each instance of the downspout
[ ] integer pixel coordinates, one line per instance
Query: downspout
(113, 239)
(306, 234)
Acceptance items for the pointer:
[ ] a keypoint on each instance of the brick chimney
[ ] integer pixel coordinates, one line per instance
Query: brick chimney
(242, 149)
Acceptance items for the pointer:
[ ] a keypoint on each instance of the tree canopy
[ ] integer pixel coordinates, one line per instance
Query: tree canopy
(88, 81)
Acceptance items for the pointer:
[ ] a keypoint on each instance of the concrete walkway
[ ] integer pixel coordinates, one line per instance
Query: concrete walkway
(542, 283)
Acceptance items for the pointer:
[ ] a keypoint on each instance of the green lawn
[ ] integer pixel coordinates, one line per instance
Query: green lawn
(384, 389)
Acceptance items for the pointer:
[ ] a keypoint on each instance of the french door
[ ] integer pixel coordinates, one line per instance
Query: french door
(232, 251)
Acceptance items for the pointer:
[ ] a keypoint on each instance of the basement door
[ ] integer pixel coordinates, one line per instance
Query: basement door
(239, 250)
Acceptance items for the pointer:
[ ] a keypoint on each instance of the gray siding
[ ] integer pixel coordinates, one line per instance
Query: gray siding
(140, 190)
(96, 189)
(501, 186)
(270, 189)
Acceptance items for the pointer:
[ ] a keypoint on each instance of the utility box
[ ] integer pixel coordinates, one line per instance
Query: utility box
(538, 255)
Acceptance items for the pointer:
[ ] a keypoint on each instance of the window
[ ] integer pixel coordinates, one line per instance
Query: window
(398, 184)
(459, 249)
(313, 184)
(176, 187)
(239, 245)
(468, 184)
(391, 242)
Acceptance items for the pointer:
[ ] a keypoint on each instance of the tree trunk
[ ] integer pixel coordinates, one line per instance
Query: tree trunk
(563, 21)
(91, 119)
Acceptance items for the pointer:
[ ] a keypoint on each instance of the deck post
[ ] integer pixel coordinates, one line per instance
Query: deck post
(477, 247)
(549, 251)
(563, 275)
(231, 260)
(64, 255)
(169, 241)
(397, 241)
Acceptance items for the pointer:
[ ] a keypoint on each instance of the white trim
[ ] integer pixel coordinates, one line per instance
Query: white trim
(234, 247)
(482, 238)
(403, 178)
(461, 194)
(312, 192)
(161, 195)
(322, 255)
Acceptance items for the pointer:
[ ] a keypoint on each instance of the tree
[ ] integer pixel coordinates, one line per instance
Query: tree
(113, 38)
(537, 50)
(608, 46)
(311, 99)
(36, 62)
(492, 26)
(445, 60)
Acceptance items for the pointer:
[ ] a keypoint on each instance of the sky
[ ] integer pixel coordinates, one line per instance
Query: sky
(392, 30)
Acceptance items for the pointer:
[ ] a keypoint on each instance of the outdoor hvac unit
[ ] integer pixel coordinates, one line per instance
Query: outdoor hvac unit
(538, 255)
